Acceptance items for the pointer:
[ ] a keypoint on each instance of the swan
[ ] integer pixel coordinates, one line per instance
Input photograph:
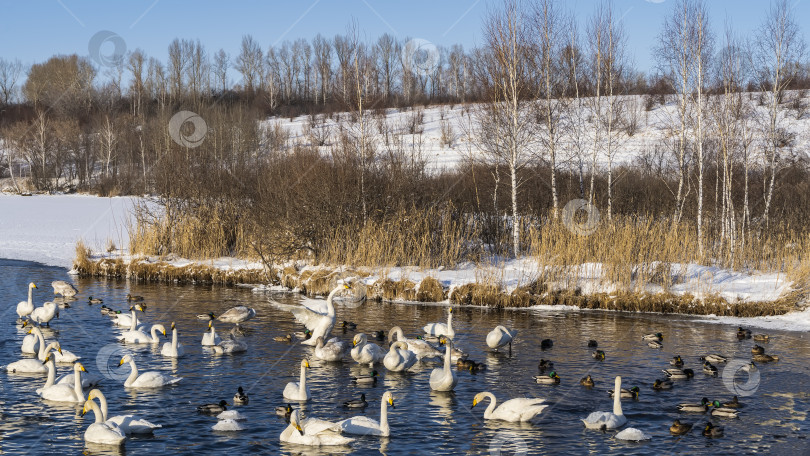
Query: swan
(238, 314)
(363, 425)
(33, 365)
(88, 381)
(318, 316)
(513, 410)
(29, 343)
(150, 379)
(312, 432)
(139, 337)
(210, 337)
(399, 357)
(365, 352)
(442, 329)
(298, 391)
(61, 392)
(173, 349)
(26, 307)
(129, 424)
(46, 313)
(63, 288)
(420, 347)
(500, 336)
(443, 378)
(129, 321)
(60, 356)
(334, 350)
(100, 432)
(230, 345)
(608, 420)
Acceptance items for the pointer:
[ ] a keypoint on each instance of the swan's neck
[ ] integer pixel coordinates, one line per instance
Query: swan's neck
(330, 307)
(491, 407)
(213, 333)
(447, 350)
(154, 333)
(617, 398)
(133, 374)
(302, 382)
(103, 400)
(51, 373)
(77, 385)
(43, 352)
(30, 296)
(174, 339)
(396, 333)
(450, 322)
(384, 416)
(133, 325)
(41, 339)
(97, 412)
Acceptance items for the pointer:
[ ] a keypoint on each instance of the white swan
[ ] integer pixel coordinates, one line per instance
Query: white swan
(173, 349)
(399, 357)
(441, 329)
(150, 379)
(608, 420)
(513, 410)
(29, 343)
(128, 320)
(33, 365)
(312, 432)
(26, 307)
(334, 350)
(298, 391)
(88, 381)
(210, 337)
(129, 424)
(60, 356)
(363, 425)
(139, 337)
(317, 315)
(443, 378)
(100, 432)
(46, 313)
(500, 337)
(238, 314)
(365, 352)
(63, 288)
(420, 347)
(230, 345)
(60, 392)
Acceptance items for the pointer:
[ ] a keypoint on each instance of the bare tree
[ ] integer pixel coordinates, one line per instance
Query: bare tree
(387, 48)
(701, 46)
(249, 63)
(10, 72)
(323, 64)
(220, 70)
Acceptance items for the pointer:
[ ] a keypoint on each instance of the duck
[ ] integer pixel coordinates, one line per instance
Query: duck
(750, 367)
(702, 407)
(357, 403)
(712, 431)
(240, 397)
(213, 409)
(236, 315)
(551, 379)
(500, 337)
(399, 358)
(332, 351)
(475, 368)
(379, 334)
(743, 333)
(598, 354)
(91, 300)
(608, 420)
(287, 338)
(24, 308)
(149, 379)
(757, 350)
(173, 349)
(303, 335)
(312, 432)
(365, 352)
(546, 344)
(100, 432)
(43, 315)
(363, 425)
(317, 315)
(298, 391)
(441, 329)
(714, 358)
(284, 411)
(765, 358)
(106, 310)
(545, 364)
(678, 374)
(230, 346)
(659, 385)
(762, 338)
(61, 392)
(657, 337)
(679, 428)
(63, 288)
(131, 298)
(514, 410)
(655, 344)
(733, 403)
(129, 424)
(592, 344)
(677, 361)
(420, 347)
(631, 393)
(210, 337)
(587, 381)
(366, 379)
(443, 378)
(348, 325)
(710, 369)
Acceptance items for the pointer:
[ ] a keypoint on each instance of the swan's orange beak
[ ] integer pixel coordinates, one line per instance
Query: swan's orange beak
(121, 363)
(306, 363)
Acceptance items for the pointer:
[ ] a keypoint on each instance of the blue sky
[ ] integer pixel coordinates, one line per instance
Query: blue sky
(33, 30)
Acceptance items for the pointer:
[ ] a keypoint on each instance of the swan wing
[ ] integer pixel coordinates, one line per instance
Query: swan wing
(519, 409)
(360, 425)
(154, 379)
(315, 426)
(131, 424)
(436, 329)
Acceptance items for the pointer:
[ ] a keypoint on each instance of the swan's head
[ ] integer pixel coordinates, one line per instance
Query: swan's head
(25, 323)
(94, 393)
(140, 307)
(173, 327)
(47, 358)
(478, 399)
(305, 363)
(209, 324)
(57, 347)
(32, 285)
(125, 359)
(359, 339)
(295, 421)
(80, 366)
(87, 406)
(387, 397)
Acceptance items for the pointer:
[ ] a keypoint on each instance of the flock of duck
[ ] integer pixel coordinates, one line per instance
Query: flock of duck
(319, 319)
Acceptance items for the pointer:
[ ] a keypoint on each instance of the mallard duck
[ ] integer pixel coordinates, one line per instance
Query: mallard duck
(303, 335)
(285, 338)
(710, 369)
(750, 367)
(657, 337)
(545, 344)
(733, 403)
(92, 300)
(712, 431)
(380, 335)
(697, 408)
(106, 310)
(765, 358)
(762, 338)
(726, 412)
(587, 381)
(679, 374)
(676, 361)
(592, 344)
(240, 397)
(347, 325)
(679, 428)
(462, 363)
(655, 344)
(63, 304)
(477, 367)
(598, 354)
(365, 379)
(212, 409)
(357, 403)
(757, 350)
(207, 316)
(284, 411)
(714, 358)
(743, 333)
(662, 385)
(545, 364)
(550, 379)
(134, 298)
(631, 393)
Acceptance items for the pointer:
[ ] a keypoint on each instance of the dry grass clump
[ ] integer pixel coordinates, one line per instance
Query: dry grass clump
(480, 295)
(430, 290)
(396, 290)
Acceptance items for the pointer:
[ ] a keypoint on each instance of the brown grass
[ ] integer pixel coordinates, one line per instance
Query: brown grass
(430, 290)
